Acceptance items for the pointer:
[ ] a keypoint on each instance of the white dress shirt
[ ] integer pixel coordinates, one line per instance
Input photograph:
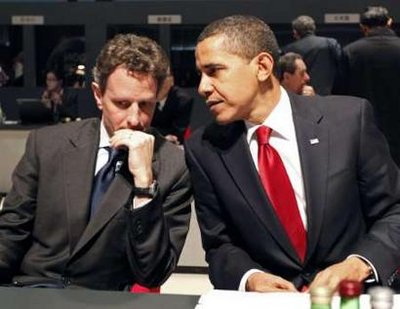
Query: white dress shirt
(283, 139)
(102, 158)
(102, 154)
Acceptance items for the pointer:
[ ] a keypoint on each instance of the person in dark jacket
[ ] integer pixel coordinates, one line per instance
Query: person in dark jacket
(371, 70)
(322, 55)
(173, 111)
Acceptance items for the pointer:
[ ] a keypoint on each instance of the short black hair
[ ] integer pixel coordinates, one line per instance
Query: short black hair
(247, 36)
(375, 16)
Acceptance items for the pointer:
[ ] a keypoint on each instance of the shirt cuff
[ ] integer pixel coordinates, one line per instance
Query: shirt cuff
(137, 205)
(374, 275)
(243, 281)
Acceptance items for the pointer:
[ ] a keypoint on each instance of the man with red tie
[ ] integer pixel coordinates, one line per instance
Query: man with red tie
(291, 191)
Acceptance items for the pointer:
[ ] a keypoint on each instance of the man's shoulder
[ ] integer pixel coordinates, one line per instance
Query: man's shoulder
(216, 135)
(58, 133)
(309, 42)
(69, 126)
(335, 106)
(357, 44)
(165, 149)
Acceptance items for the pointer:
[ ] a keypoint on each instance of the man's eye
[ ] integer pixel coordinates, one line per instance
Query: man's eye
(123, 104)
(212, 71)
(143, 105)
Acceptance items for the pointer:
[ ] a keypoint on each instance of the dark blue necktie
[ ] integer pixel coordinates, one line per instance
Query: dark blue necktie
(103, 179)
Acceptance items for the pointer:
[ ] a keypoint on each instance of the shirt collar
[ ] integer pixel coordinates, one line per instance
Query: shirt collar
(104, 137)
(279, 120)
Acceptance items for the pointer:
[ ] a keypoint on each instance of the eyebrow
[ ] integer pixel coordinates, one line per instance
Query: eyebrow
(212, 65)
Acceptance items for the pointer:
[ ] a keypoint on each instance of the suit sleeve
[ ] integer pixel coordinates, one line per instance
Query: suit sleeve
(18, 213)
(379, 183)
(228, 261)
(158, 231)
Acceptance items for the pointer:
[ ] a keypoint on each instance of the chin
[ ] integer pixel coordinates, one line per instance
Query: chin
(223, 120)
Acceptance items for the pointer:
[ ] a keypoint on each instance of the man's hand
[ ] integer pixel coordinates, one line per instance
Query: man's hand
(172, 138)
(140, 146)
(308, 90)
(264, 282)
(352, 268)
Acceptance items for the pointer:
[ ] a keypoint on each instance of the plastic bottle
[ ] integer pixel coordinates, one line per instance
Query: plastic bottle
(321, 298)
(381, 297)
(350, 292)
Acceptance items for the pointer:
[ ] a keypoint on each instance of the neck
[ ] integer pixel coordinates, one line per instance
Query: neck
(265, 102)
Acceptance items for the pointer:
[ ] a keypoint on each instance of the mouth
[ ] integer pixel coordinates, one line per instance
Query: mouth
(211, 103)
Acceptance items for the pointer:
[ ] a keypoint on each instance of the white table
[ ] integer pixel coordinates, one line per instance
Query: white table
(217, 299)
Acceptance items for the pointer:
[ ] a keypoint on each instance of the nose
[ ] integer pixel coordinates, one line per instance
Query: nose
(205, 87)
(306, 77)
(133, 116)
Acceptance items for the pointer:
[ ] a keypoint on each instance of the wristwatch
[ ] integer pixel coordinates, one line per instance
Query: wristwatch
(147, 192)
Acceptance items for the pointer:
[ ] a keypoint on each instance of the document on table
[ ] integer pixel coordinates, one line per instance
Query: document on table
(223, 299)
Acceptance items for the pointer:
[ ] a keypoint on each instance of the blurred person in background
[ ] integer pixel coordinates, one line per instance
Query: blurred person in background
(293, 74)
(173, 110)
(63, 102)
(371, 69)
(322, 55)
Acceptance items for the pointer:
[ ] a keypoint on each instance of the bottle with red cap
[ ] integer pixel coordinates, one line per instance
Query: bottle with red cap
(350, 292)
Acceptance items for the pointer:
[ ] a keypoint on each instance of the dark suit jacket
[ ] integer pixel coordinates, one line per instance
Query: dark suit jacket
(175, 116)
(44, 227)
(69, 106)
(371, 70)
(322, 56)
(352, 190)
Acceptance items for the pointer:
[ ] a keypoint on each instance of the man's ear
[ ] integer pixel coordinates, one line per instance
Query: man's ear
(285, 76)
(265, 65)
(295, 34)
(98, 96)
(364, 29)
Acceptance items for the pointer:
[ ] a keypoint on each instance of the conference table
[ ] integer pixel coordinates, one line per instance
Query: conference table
(39, 298)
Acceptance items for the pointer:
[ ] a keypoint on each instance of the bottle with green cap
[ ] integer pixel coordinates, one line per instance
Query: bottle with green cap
(350, 292)
(321, 297)
(381, 297)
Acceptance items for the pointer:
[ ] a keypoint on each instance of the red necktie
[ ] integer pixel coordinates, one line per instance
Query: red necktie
(280, 191)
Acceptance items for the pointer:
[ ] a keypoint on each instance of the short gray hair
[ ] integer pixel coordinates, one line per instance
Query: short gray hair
(304, 25)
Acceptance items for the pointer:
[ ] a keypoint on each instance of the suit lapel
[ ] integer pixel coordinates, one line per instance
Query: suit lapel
(118, 195)
(239, 164)
(78, 164)
(313, 142)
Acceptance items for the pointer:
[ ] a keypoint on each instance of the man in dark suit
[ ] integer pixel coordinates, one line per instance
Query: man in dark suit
(371, 71)
(321, 54)
(52, 233)
(173, 111)
(341, 183)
